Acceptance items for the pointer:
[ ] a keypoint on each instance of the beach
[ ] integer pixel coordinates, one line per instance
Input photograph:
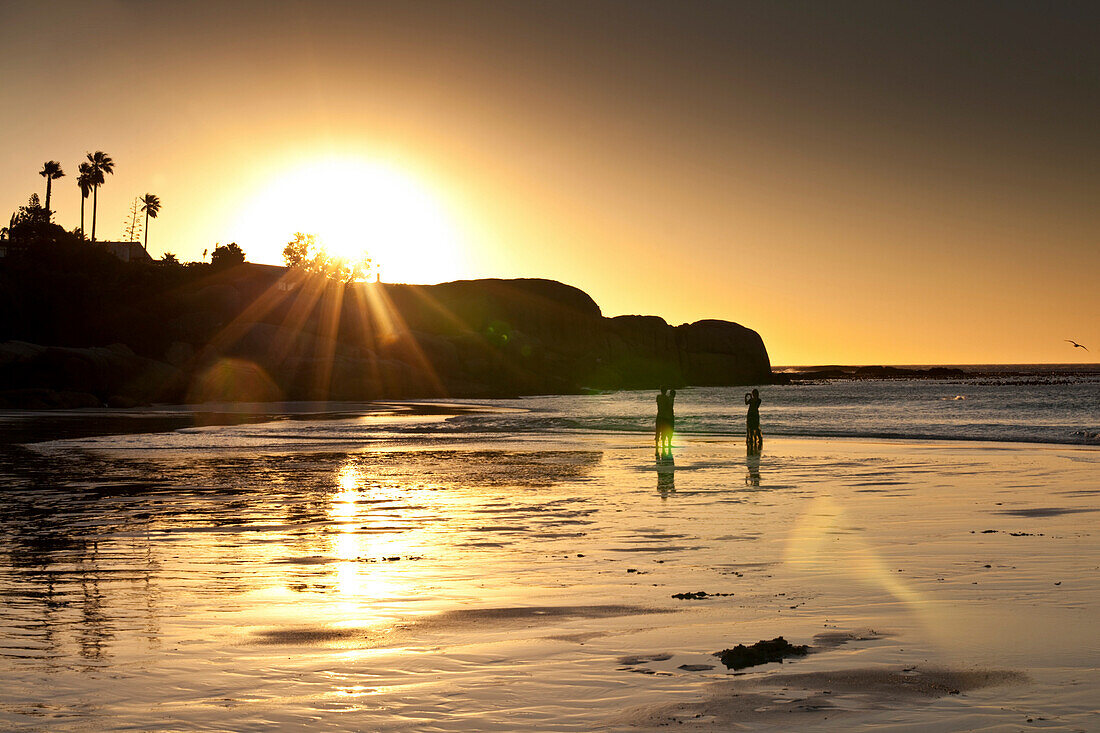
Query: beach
(219, 578)
(445, 367)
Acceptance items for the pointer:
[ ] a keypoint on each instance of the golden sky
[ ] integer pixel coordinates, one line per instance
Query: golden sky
(859, 182)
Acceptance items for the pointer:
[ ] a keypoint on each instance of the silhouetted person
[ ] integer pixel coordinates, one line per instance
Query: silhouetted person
(662, 399)
(666, 421)
(754, 438)
(670, 424)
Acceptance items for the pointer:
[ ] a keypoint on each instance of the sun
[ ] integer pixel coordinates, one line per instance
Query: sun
(355, 205)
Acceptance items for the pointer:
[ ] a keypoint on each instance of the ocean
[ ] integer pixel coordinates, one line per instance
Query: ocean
(1062, 408)
(1055, 407)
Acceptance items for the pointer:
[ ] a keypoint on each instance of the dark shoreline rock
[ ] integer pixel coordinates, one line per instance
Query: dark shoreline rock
(762, 652)
(874, 372)
(32, 398)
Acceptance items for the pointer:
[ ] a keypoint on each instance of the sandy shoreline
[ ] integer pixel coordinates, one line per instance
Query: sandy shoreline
(527, 582)
(31, 426)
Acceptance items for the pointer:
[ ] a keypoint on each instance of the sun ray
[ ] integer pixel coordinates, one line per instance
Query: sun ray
(420, 292)
(331, 305)
(268, 301)
(302, 306)
(379, 305)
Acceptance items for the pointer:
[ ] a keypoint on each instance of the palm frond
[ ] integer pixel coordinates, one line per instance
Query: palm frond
(51, 169)
(151, 204)
(101, 162)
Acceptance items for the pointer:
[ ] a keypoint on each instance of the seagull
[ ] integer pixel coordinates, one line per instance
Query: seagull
(1075, 344)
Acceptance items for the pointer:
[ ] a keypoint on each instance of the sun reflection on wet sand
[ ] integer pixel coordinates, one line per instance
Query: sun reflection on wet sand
(369, 541)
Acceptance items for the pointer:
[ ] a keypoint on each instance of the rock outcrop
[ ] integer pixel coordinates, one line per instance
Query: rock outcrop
(263, 333)
(45, 377)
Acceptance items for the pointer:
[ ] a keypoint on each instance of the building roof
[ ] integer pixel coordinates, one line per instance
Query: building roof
(127, 251)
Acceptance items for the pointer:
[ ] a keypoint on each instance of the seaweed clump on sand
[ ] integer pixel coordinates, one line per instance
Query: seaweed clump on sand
(762, 652)
(698, 595)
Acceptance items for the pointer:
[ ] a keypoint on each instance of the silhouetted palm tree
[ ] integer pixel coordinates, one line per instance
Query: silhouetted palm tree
(51, 171)
(85, 180)
(150, 204)
(102, 165)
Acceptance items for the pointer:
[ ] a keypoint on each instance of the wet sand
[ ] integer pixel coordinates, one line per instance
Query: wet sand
(196, 581)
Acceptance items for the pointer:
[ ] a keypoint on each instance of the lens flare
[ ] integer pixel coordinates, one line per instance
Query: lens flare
(233, 380)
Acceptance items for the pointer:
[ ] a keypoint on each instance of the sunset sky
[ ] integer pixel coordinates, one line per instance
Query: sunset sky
(900, 183)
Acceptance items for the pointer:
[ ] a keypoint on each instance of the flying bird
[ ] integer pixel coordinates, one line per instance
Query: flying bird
(1076, 345)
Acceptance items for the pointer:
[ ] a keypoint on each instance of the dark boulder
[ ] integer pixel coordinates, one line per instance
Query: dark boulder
(720, 353)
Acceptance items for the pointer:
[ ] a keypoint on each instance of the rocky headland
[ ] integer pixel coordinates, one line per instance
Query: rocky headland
(262, 333)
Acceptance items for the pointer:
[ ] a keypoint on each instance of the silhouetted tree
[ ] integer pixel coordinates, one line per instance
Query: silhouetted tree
(51, 171)
(169, 259)
(303, 252)
(85, 181)
(297, 250)
(102, 166)
(150, 204)
(226, 255)
(31, 224)
(33, 212)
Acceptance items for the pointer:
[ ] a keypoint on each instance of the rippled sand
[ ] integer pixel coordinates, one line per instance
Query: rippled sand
(509, 583)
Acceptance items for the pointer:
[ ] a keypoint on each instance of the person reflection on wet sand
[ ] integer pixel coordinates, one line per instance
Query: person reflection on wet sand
(666, 478)
(752, 463)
